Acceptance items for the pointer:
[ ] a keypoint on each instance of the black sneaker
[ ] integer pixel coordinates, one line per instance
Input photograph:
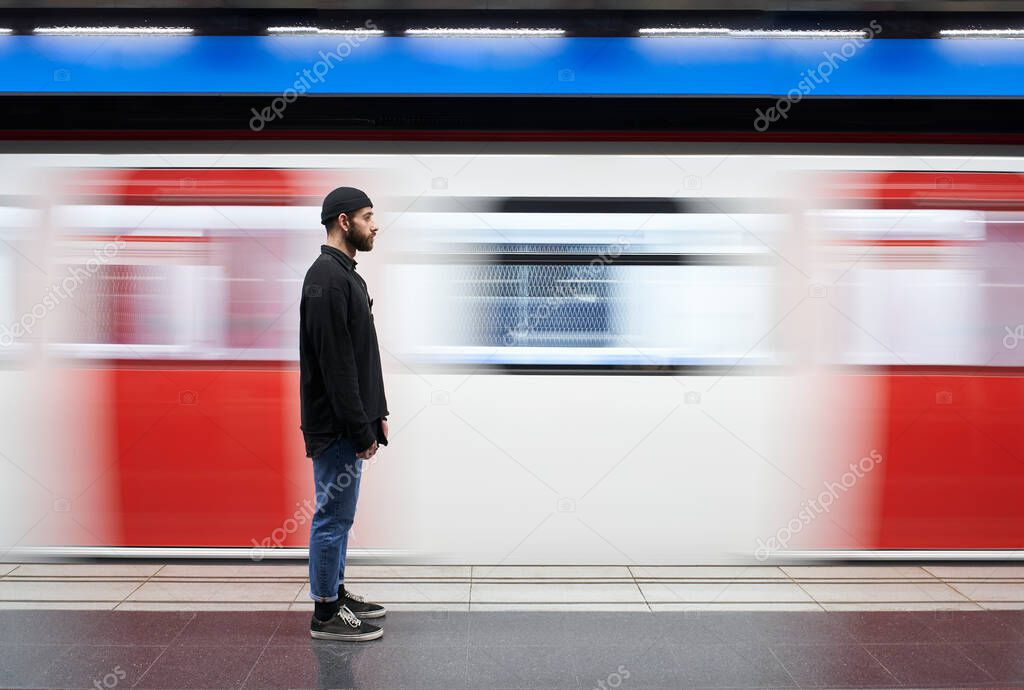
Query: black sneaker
(360, 606)
(344, 626)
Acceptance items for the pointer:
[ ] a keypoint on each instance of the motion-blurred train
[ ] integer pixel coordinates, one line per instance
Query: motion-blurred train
(591, 355)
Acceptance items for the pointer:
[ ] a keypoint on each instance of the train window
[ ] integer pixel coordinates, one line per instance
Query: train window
(180, 282)
(20, 305)
(615, 289)
(11, 222)
(908, 286)
(536, 305)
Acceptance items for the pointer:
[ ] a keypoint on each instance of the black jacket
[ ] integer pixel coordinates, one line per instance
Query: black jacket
(341, 386)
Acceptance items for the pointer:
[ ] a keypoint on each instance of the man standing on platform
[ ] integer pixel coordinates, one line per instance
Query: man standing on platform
(344, 410)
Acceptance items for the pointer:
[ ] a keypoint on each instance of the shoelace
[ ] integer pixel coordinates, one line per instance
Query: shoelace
(349, 617)
(354, 597)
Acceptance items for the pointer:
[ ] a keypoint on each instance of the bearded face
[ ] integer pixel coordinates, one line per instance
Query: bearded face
(360, 229)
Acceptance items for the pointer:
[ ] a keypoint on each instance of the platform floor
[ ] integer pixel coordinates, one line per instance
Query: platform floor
(280, 586)
(246, 625)
(529, 649)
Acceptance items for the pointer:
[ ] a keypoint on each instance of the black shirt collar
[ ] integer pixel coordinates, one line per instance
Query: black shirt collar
(345, 259)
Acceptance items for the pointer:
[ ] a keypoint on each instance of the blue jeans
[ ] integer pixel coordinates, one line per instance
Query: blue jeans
(336, 472)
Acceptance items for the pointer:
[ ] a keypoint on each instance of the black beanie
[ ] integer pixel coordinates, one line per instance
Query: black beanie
(343, 200)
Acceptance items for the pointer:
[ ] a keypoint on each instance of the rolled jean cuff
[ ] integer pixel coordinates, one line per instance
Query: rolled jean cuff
(324, 600)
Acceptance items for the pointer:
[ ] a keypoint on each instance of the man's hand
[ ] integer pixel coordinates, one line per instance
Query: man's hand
(368, 453)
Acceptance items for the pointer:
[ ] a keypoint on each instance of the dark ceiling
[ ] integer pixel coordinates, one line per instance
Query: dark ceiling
(971, 6)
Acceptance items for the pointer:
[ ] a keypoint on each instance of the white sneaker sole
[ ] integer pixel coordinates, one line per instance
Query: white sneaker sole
(377, 614)
(346, 637)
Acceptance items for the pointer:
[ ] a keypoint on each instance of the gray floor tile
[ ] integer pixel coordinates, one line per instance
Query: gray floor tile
(886, 626)
(425, 628)
(92, 627)
(846, 665)
(1013, 619)
(635, 667)
(730, 665)
(23, 666)
(85, 666)
(707, 627)
(230, 628)
(928, 665)
(1004, 661)
(293, 630)
(515, 649)
(319, 664)
(507, 666)
(800, 628)
(424, 668)
(613, 628)
(201, 667)
(970, 626)
(34, 627)
(130, 627)
(489, 629)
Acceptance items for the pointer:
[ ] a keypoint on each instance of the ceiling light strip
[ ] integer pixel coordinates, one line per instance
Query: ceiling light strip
(982, 33)
(112, 30)
(313, 30)
(481, 31)
(682, 31)
(752, 33)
